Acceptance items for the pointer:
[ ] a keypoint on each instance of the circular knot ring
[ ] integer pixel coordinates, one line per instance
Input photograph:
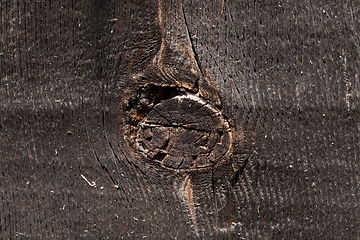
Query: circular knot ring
(184, 132)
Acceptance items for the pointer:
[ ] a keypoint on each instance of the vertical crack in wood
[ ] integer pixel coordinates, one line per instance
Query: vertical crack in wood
(186, 193)
(215, 201)
(240, 170)
(196, 57)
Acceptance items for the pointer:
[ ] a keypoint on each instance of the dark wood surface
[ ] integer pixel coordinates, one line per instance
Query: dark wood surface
(277, 155)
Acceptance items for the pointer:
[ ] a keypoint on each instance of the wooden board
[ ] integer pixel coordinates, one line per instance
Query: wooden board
(179, 119)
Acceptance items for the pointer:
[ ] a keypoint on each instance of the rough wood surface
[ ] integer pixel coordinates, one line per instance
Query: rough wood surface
(95, 142)
(185, 132)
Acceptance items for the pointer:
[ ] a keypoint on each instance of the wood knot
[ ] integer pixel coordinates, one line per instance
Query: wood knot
(177, 129)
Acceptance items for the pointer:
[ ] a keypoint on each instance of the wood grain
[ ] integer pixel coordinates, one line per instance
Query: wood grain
(78, 77)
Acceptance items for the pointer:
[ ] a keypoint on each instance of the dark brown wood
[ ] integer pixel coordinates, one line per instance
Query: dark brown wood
(181, 132)
(98, 139)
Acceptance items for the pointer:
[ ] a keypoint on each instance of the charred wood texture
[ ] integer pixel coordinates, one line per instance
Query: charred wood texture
(179, 119)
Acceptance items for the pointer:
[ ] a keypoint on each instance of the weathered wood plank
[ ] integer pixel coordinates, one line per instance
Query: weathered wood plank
(274, 94)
